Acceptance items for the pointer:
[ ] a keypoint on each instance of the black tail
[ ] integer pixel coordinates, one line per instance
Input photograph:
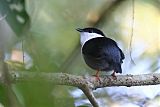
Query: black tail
(117, 68)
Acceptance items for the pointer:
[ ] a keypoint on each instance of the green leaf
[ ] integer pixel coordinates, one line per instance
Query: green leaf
(16, 15)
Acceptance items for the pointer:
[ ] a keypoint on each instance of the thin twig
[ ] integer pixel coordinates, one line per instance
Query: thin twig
(3, 17)
(89, 93)
(132, 32)
(23, 50)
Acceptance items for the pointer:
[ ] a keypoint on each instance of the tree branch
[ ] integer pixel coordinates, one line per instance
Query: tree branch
(81, 81)
(89, 94)
(86, 84)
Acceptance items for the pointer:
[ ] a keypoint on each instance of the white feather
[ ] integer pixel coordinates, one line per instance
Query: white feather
(85, 36)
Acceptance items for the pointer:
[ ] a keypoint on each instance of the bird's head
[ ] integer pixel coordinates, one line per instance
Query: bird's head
(89, 33)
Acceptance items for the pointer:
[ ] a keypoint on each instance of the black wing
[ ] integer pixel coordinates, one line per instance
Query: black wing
(103, 48)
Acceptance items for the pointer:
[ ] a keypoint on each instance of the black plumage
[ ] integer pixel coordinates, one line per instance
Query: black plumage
(103, 54)
(100, 53)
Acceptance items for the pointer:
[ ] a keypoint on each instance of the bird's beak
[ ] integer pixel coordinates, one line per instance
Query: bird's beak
(79, 29)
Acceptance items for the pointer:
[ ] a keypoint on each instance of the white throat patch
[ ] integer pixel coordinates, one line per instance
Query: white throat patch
(85, 36)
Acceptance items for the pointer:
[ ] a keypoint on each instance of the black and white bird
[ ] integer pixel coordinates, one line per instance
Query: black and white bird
(100, 52)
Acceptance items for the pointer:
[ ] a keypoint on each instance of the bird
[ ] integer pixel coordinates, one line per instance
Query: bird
(100, 52)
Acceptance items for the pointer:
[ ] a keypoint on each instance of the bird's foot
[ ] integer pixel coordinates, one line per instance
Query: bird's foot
(97, 77)
(113, 75)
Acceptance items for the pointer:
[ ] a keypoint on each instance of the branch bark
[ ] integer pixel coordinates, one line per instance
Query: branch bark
(87, 83)
(89, 94)
(81, 81)
(12, 99)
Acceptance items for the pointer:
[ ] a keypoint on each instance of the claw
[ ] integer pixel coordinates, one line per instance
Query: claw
(97, 76)
(98, 79)
(113, 75)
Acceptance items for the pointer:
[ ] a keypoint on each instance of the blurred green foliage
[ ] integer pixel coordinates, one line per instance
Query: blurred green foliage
(46, 36)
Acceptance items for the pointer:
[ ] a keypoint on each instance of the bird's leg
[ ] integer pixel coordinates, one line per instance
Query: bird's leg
(113, 75)
(97, 75)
